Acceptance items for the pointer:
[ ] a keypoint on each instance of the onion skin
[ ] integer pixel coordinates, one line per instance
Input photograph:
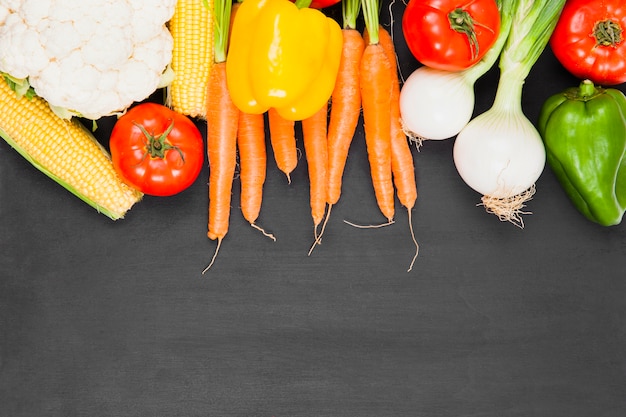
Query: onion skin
(436, 104)
(499, 154)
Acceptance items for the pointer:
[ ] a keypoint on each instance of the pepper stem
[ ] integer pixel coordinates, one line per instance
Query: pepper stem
(586, 89)
(607, 33)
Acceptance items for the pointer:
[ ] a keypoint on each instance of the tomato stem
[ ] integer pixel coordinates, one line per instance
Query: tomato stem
(157, 146)
(462, 22)
(607, 33)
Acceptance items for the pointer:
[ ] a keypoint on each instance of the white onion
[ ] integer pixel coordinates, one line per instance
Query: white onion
(436, 104)
(499, 154)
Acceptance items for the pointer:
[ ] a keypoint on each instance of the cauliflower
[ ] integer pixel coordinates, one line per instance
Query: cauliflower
(92, 58)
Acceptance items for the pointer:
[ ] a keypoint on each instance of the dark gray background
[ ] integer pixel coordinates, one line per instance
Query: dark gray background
(102, 318)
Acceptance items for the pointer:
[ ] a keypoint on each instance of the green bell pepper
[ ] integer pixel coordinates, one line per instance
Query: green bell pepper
(584, 132)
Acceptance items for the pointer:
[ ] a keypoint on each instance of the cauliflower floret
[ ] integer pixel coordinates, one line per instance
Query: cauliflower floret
(91, 57)
(6, 7)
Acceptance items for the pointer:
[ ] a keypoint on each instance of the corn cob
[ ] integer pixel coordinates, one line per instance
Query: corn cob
(65, 151)
(191, 27)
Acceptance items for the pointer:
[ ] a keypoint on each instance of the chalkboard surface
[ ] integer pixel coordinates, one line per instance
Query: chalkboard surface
(103, 318)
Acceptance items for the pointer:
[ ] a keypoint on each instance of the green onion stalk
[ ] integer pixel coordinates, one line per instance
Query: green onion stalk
(500, 153)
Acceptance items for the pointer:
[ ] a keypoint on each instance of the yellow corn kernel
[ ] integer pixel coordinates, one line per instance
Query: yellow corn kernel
(65, 151)
(191, 27)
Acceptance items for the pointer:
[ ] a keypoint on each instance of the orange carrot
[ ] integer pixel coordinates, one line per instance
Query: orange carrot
(344, 111)
(376, 86)
(222, 122)
(252, 165)
(402, 165)
(401, 158)
(314, 131)
(283, 141)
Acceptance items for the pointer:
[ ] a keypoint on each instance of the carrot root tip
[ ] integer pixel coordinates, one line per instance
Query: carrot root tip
(318, 237)
(217, 248)
(260, 229)
(417, 246)
(370, 226)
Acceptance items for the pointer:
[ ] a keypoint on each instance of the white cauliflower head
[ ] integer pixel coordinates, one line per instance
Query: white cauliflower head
(91, 57)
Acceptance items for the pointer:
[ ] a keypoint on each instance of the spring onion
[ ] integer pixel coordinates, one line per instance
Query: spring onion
(437, 104)
(500, 153)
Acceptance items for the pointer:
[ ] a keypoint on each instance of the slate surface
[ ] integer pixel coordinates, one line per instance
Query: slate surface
(102, 318)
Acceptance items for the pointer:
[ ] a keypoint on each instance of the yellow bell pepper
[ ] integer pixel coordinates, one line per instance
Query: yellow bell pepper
(282, 56)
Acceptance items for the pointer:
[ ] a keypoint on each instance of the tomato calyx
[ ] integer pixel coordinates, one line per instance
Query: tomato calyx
(607, 33)
(157, 146)
(462, 22)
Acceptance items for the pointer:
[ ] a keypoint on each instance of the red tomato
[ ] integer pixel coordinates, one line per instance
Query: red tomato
(156, 150)
(588, 40)
(450, 35)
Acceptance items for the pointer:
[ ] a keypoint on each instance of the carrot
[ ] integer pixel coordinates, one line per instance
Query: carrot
(283, 141)
(314, 133)
(222, 124)
(222, 121)
(344, 111)
(376, 85)
(402, 165)
(345, 106)
(253, 165)
(252, 161)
